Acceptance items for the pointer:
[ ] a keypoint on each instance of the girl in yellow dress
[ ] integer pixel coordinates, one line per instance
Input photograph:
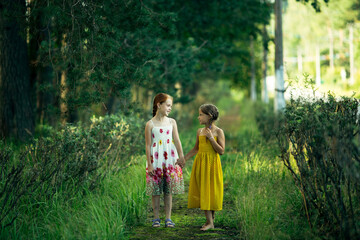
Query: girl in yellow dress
(206, 182)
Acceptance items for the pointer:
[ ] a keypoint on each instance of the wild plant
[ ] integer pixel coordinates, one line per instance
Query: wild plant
(320, 146)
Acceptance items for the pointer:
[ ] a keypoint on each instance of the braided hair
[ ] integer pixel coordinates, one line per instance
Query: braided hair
(210, 110)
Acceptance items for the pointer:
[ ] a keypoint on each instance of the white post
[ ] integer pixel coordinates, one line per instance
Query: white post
(318, 69)
(299, 61)
(351, 50)
(279, 101)
(253, 79)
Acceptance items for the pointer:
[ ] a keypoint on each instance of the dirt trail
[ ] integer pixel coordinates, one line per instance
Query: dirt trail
(188, 223)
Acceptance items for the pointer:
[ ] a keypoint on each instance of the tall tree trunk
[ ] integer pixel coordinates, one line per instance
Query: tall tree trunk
(16, 113)
(265, 37)
(69, 112)
(279, 101)
(42, 73)
(299, 61)
(63, 96)
(331, 49)
(351, 51)
(253, 77)
(107, 107)
(318, 66)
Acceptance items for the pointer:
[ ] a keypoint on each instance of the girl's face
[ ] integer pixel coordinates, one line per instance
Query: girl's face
(165, 107)
(203, 118)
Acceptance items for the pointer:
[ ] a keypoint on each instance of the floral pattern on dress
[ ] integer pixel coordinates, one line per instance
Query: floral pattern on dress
(168, 177)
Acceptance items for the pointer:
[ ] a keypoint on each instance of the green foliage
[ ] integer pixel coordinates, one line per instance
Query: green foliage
(268, 122)
(107, 213)
(66, 161)
(320, 146)
(261, 199)
(102, 49)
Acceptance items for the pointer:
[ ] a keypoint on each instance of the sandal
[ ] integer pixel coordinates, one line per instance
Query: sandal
(169, 223)
(156, 222)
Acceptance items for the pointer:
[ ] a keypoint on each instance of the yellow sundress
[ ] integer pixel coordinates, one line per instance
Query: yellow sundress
(206, 182)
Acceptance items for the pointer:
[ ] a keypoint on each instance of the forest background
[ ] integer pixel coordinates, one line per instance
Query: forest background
(82, 75)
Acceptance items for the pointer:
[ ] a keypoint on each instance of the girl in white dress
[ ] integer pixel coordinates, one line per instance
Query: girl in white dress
(165, 158)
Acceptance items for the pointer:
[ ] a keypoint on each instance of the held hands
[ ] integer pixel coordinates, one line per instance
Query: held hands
(151, 170)
(208, 133)
(181, 162)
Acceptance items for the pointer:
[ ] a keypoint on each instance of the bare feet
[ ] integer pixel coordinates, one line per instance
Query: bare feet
(207, 227)
(213, 217)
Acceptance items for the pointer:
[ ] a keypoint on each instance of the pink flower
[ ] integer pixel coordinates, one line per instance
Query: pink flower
(171, 168)
(161, 131)
(168, 179)
(156, 155)
(158, 172)
(168, 131)
(154, 145)
(153, 135)
(168, 141)
(172, 153)
(165, 155)
(156, 179)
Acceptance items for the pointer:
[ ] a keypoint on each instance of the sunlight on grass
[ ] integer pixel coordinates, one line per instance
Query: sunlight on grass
(104, 214)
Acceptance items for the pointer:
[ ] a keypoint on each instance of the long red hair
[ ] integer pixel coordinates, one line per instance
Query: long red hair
(159, 98)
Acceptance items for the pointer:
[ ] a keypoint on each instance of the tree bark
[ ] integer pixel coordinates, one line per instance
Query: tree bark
(331, 49)
(16, 113)
(265, 37)
(253, 73)
(351, 51)
(279, 101)
(299, 61)
(318, 66)
(41, 70)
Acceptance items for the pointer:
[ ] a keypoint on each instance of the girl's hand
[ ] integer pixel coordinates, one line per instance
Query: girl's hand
(151, 170)
(181, 162)
(208, 133)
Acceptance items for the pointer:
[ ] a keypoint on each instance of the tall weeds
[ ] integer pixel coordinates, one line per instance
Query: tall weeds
(65, 164)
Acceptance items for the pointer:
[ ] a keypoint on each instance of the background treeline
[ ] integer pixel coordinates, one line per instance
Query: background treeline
(62, 59)
(76, 83)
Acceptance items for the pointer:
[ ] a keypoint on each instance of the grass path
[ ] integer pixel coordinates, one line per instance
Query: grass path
(188, 223)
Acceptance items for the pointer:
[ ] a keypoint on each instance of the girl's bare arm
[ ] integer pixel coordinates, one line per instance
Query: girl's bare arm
(148, 129)
(195, 149)
(219, 145)
(176, 138)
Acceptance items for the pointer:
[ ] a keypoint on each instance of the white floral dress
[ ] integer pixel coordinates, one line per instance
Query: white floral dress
(168, 177)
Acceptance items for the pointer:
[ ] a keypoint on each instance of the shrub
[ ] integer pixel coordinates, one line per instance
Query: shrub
(320, 146)
(70, 159)
(267, 121)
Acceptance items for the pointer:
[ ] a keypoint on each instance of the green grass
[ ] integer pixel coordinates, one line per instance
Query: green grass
(107, 213)
(265, 202)
(261, 200)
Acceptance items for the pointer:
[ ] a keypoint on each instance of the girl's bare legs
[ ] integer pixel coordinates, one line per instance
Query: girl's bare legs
(156, 205)
(213, 217)
(209, 221)
(168, 205)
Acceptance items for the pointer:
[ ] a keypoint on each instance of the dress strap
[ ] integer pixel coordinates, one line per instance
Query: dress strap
(152, 122)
